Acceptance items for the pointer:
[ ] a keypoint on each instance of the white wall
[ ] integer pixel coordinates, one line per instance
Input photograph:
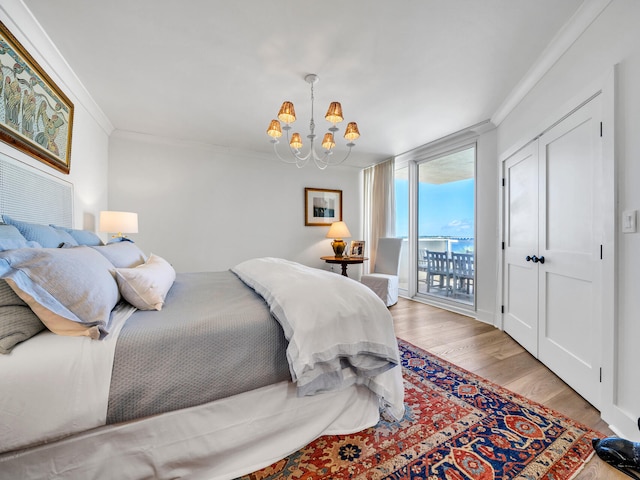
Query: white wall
(613, 38)
(207, 208)
(90, 137)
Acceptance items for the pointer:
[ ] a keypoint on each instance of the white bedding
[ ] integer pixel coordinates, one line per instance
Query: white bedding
(216, 441)
(67, 393)
(340, 333)
(222, 439)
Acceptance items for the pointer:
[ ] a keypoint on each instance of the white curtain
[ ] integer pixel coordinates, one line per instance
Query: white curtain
(379, 206)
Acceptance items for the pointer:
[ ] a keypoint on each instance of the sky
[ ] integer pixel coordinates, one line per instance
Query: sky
(443, 210)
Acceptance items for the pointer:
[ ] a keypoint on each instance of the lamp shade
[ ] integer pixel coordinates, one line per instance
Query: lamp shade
(338, 230)
(120, 222)
(352, 133)
(274, 129)
(296, 141)
(334, 113)
(327, 142)
(287, 113)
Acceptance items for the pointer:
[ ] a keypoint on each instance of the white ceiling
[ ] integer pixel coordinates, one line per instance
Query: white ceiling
(409, 71)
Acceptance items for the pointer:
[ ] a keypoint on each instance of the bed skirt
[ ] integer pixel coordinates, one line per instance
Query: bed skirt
(219, 440)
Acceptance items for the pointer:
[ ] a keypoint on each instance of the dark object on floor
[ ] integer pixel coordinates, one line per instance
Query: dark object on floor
(619, 453)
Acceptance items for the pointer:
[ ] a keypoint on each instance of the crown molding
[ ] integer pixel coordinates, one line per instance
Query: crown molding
(563, 40)
(24, 26)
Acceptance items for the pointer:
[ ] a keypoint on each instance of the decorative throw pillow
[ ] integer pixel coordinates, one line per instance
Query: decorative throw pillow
(82, 237)
(45, 235)
(71, 290)
(146, 286)
(17, 324)
(122, 254)
(8, 297)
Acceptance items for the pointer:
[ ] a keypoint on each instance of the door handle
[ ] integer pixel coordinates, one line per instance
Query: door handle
(534, 259)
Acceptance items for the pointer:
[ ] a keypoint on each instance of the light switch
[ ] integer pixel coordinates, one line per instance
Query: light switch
(629, 221)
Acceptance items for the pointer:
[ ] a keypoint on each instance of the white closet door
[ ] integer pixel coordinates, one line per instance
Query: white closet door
(552, 266)
(570, 293)
(521, 241)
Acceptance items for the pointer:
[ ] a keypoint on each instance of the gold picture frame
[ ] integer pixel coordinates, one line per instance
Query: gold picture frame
(36, 117)
(322, 207)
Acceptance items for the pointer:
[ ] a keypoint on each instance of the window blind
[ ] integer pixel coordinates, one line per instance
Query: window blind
(31, 195)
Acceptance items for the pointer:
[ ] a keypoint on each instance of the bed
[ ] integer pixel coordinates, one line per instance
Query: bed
(122, 368)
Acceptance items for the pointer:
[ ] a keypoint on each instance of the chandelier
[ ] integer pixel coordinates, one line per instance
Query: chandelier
(287, 115)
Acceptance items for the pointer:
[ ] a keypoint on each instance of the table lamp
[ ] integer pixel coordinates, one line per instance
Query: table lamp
(338, 231)
(121, 222)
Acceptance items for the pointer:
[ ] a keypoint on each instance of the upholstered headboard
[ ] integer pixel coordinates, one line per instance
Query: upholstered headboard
(32, 195)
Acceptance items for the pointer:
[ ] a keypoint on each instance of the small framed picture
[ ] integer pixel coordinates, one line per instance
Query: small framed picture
(356, 248)
(322, 207)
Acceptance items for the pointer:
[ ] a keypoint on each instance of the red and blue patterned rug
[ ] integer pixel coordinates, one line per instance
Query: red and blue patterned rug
(457, 426)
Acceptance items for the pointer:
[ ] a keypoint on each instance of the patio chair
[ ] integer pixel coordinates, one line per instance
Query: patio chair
(438, 271)
(463, 273)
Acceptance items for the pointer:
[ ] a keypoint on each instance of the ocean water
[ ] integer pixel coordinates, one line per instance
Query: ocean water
(447, 244)
(463, 245)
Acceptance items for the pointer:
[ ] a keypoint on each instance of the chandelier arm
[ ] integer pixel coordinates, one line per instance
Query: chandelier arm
(296, 160)
(326, 162)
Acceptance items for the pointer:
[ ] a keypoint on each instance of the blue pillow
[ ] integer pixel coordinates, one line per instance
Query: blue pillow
(10, 238)
(9, 232)
(45, 235)
(83, 237)
(71, 290)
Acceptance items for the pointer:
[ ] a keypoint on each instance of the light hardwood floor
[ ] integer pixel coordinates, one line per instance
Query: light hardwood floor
(492, 354)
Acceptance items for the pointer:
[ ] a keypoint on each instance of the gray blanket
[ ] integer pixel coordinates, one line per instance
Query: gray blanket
(213, 338)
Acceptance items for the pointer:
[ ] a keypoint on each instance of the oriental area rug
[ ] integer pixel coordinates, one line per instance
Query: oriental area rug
(457, 426)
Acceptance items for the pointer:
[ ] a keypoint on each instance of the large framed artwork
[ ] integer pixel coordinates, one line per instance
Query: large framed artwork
(322, 207)
(36, 117)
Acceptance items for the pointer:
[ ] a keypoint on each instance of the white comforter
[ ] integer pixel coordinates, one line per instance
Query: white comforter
(340, 333)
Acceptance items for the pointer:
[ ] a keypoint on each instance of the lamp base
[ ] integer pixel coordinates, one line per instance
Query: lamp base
(338, 247)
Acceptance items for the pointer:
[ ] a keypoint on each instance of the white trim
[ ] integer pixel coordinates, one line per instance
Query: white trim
(622, 422)
(445, 144)
(583, 95)
(453, 143)
(564, 39)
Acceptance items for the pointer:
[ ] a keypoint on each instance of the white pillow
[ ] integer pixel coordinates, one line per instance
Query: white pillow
(71, 290)
(122, 254)
(146, 286)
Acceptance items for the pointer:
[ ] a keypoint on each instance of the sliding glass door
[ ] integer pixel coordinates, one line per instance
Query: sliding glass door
(435, 212)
